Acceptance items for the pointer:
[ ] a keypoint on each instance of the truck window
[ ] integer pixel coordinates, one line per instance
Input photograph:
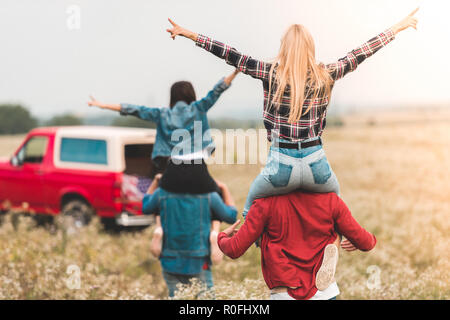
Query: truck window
(34, 150)
(83, 150)
(138, 159)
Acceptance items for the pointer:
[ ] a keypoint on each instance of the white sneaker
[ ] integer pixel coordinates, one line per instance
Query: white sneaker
(325, 275)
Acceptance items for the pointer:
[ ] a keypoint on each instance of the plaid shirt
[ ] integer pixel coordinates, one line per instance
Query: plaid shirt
(311, 124)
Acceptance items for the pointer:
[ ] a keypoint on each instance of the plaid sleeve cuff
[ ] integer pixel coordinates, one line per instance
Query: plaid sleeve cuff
(388, 36)
(203, 41)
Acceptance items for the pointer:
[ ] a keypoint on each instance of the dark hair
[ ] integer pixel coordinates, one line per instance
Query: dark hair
(182, 91)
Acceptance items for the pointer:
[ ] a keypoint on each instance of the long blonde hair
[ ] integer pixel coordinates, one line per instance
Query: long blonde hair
(297, 68)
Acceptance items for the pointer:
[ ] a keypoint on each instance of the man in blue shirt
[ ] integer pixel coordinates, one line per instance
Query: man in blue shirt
(186, 223)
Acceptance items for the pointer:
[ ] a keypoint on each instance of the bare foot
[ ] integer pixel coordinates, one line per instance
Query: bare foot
(156, 244)
(325, 275)
(216, 254)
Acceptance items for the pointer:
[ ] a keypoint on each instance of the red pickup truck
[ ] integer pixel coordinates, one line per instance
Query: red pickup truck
(80, 171)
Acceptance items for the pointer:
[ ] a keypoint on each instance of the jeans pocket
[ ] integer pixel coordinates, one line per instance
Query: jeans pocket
(280, 174)
(321, 170)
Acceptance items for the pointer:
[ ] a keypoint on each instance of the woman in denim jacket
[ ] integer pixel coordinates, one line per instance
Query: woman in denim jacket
(185, 115)
(183, 141)
(297, 90)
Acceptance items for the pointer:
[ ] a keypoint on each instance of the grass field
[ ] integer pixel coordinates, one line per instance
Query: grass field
(394, 175)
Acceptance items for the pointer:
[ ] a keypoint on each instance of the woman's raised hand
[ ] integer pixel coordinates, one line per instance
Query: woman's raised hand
(409, 21)
(176, 30)
(94, 103)
(231, 77)
(179, 31)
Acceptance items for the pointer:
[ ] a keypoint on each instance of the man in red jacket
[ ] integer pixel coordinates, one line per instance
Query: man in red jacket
(296, 229)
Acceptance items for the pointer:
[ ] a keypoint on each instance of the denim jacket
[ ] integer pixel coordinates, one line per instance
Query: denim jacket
(183, 129)
(186, 222)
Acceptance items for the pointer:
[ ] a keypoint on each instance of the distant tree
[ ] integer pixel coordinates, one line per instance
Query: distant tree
(14, 118)
(64, 120)
(130, 121)
(334, 121)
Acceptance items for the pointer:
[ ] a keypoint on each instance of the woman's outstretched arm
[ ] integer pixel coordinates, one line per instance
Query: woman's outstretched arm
(246, 64)
(142, 112)
(352, 60)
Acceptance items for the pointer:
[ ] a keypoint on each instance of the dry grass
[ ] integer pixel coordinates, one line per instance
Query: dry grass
(394, 177)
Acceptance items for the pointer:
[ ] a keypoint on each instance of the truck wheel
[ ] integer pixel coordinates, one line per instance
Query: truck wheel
(76, 214)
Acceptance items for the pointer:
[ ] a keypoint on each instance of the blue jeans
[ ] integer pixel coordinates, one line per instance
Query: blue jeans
(291, 169)
(172, 279)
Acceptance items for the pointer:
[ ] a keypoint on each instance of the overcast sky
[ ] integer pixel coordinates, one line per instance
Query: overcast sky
(120, 52)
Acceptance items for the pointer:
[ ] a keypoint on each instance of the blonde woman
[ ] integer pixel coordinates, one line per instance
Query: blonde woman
(297, 91)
